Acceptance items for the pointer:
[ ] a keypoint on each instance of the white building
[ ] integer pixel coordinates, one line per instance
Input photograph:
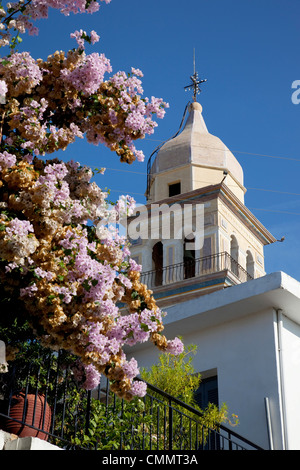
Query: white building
(246, 324)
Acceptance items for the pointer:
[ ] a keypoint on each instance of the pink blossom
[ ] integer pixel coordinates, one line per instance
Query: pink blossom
(38, 9)
(134, 266)
(19, 227)
(3, 88)
(137, 72)
(79, 36)
(175, 346)
(92, 377)
(86, 375)
(125, 281)
(7, 160)
(88, 74)
(29, 291)
(43, 274)
(94, 6)
(138, 388)
(131, 368)
(125, 206)
(61, 199)
(140, 156)
(94, 37)
(23, 66)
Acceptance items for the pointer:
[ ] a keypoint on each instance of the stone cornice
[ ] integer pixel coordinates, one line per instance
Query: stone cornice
(222, 192)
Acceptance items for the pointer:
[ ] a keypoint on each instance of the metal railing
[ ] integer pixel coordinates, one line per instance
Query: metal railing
(99, 420)
(195, 268)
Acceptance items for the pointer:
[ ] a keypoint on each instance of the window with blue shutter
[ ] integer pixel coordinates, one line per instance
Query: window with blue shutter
(207, 392)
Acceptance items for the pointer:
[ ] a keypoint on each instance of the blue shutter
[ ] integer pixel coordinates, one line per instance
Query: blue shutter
(207, 392)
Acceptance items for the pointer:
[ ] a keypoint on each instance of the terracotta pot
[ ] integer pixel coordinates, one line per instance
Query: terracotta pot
(34, 416)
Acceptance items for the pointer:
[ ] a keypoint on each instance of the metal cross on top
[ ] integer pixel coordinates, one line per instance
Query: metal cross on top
(196, 82)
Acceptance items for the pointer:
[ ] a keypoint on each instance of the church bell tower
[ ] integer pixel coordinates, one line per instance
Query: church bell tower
(196, 169)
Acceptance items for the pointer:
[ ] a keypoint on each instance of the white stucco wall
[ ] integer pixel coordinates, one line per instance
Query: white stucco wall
(237, 333)
(290, 347)
(243, 354)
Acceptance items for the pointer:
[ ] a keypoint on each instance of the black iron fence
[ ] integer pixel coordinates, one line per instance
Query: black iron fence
(43, 399)
(195, 268)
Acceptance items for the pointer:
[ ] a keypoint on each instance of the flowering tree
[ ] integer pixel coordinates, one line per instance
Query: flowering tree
(60, 256)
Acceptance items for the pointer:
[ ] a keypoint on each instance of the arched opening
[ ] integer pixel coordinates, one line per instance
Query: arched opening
(157, 257)
(189, 256)
(234, 253)
(250, 267)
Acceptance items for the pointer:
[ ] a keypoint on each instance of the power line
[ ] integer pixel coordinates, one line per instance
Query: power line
(274, 211)
(250, 208)
(269, 156)
(249, 188)
(200, 181)
(274, 191)
(241, 152)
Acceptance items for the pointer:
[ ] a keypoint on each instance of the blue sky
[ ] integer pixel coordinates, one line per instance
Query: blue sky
(248, 50)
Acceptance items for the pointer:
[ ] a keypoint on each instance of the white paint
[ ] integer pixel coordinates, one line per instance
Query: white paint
(236, 332)
(291, 380)
(24, 443)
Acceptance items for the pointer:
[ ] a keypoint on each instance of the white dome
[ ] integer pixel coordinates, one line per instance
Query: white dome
(195, 145)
